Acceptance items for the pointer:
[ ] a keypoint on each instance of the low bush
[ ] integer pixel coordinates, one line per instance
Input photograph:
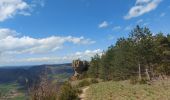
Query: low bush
(43, 92)
(93, 81)
(67, 92)
(143, 81)
(133, 80)
(84, 83)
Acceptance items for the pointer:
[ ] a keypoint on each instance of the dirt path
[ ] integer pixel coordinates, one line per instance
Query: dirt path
(82, 96)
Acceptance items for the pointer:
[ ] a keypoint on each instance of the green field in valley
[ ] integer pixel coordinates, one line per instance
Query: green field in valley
(10, 92)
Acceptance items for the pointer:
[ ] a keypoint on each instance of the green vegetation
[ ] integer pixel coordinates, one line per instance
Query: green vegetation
(59, 77)
(10, 91)
(123, 90)
(20, 97)
(141, 54)
(40, 82)
(6, 88)
(139, 58)
(142, 58)
(68, 92)
(87, 82)
(84, 83)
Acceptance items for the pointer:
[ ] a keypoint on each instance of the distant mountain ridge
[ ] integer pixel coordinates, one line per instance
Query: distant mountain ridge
(21, 74)
(29, 66)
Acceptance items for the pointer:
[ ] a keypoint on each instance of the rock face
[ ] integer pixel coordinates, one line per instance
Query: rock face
(79, 67)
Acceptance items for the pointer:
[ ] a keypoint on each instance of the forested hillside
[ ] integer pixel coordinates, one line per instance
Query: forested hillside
(142, 54)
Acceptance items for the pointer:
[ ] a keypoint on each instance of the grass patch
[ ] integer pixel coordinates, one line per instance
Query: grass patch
(125, 91)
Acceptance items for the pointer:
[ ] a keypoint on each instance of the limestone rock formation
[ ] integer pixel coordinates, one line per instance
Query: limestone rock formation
(79, 67)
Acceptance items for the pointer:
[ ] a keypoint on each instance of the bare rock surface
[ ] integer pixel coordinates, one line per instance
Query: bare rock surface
(79, 67)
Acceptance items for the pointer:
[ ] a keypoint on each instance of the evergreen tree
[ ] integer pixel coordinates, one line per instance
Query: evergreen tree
(139, 54)
(94, 66)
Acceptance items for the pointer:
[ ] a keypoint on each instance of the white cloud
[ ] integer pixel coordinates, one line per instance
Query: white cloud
(141, 7)
(7, 32)
(85, 55)
(10, 8)
(104, 24)
(11, 43)
(116, 28)
(142, 1)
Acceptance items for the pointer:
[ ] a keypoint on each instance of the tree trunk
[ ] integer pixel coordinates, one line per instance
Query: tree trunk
(147, 74)
(140, 77)
(152, 73)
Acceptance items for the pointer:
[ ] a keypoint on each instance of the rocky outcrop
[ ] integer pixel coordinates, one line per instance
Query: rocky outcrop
(79, 67)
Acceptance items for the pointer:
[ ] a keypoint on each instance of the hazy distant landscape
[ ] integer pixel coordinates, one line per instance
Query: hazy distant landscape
(13, 85)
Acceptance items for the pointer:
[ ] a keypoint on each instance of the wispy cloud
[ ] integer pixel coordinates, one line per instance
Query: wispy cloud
(111, 37)
(10, 43)
(162, 14)
(142, 1)
(38, 3)
(139, 21)
(141, 7)
(117, 28)
(146, 24)
(103, 24)
(84, 55)
(127, 28)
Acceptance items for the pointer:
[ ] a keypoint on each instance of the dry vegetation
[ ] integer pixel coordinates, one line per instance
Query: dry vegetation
(123, 90)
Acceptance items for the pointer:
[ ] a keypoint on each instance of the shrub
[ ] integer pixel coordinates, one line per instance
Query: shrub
(45, 91)
(84, 83)
(94, 81)
(133, 80)
(143, 81)
(67, 92)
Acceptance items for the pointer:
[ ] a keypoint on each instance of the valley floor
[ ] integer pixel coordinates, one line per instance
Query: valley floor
(10, 92)
(123, 90)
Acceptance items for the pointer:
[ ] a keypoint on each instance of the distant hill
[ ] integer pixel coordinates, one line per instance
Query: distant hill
(31, 73)
(18, 79)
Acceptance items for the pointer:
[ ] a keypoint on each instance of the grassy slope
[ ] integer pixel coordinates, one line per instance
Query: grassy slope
(125, 91)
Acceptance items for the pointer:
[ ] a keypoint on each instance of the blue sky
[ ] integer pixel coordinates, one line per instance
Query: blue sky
(58, 31)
